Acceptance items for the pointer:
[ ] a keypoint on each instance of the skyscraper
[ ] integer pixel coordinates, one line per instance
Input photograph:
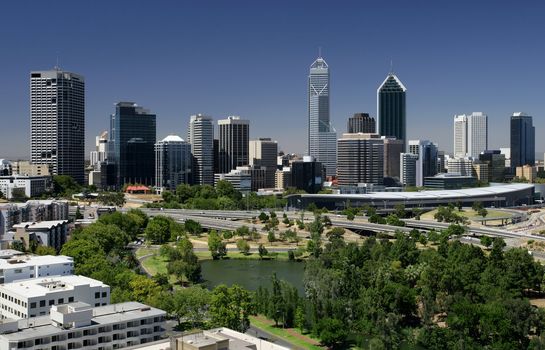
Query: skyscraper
(201, 138)
(100, 154)
(172, 162)
(263, 153)
(392, 152)
(361, 122)
(470, 135)
(408, 169)
(361, 159)
(132, 141)
(234, 140)
(391, 108)
(426, 165)
(57, 122)
(522, 140)
(322, 137)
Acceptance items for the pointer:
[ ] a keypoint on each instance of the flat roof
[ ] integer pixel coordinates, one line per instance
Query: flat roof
(37, 287)
(38, 327)
(40, 224)
(441, 194)
(34, 260)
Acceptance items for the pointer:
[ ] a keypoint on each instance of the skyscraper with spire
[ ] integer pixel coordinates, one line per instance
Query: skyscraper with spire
(391, 108)
(322, 137)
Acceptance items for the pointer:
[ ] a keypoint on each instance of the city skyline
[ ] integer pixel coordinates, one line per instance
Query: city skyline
(360, 61)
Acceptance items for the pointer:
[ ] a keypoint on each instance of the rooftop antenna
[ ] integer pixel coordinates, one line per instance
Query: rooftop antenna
(391, 66)
(57, 68)
(319, 52)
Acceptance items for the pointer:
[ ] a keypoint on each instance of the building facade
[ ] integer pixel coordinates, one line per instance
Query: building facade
(241, 180)
(33, 211)
(391, 108)
(201, 138)
(100, 154)
(263, 153)
(32, 186)
(361, 122)
(322, 137)
(307, 175)
(522, 140)
(360, 159)
(57, 122)
(470, 135)
(46, 233)
(426, 165)
(496, 165)
(392, 152)
(132, 140)
(172, 163)
(22, 267)
(526, 172)
(408, 169)
(460, 166)
(234, 138)
(283, 178)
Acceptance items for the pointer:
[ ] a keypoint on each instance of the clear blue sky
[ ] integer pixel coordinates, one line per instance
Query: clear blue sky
(251, 58)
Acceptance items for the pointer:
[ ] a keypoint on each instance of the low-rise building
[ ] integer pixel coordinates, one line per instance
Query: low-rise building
(241, 181)
(80, 326)
(47, 233)
(31, 185)
(307, 175)
(26, 168)
(15, 267)
(527, 172)
(35, 210)
(34, 297)
(449, 181)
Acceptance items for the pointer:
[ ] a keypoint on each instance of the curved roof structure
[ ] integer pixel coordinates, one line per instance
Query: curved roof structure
(172, 138)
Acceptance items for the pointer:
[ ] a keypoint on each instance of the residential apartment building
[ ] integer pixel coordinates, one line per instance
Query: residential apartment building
(21, 267)
(34, 210)
(47, 233)
(32, 186)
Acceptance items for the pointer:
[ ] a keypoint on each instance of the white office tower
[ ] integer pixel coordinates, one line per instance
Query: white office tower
(34, 297)
(460, 135)
(322, 137)
(426, 165)
(263, 153)
(462, 166)
(81, 326)
(361, 159)
(57, 122)
(172, 163)
(506, 151)
(100, 154)
(201, 138)
(234, 139)
(470, 135)
(407, 165)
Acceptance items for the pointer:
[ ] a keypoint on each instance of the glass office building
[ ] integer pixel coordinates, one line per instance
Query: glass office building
(522, 140)
(391, 108)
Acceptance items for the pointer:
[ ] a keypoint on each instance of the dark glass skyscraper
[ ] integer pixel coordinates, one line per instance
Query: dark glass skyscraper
(132, 140)
(391, 108)
(522, 140)
(361, 122)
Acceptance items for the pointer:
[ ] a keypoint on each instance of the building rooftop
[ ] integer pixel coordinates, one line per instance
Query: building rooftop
(172, 138)
(41, 326)
(37, 287)
(18, 261)
(40, 225)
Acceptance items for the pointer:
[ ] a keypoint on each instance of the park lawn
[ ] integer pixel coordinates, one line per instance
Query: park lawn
(238, 255)
(284, 334)
(155, 264)
(468, 213)
(140, 252)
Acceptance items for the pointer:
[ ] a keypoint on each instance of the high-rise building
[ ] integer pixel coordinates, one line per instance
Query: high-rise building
(234, 134)
(307, 175)
(470, 134)
(361, 122)
(57, 122)
(392, 151)
(100, 154)
(322, 137)
(496, 164)
(426, 165)
(131, 145)
(408, 169)
(263, 153)
(391, 108)
(522, 140)
(172, 163)
(201, 138)
(360, 159)
(461, 166)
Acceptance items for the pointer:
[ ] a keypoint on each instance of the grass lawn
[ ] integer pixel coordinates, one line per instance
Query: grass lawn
(286, 334)
(155, 264)
(140, 252)
(468, 213)
(238, 255)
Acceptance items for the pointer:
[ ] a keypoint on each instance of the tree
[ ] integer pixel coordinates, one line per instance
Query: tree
(263, 217)
(393, 220)
(215, 245)
(79, 215)
(271, 237)
(227, 234)
(483, 212)
(158, 230)
(18, 194)
(193, 227)
(243, 246)
(399, 210)
(231, 308)
(262, 251)
(143, 288)
(112, 198)
(242, 231)
(477, 206)
(486, 241)
(190, 304)
(65, 186)
(332, 332)
(45, 250)
(336, 233)
(17, 245)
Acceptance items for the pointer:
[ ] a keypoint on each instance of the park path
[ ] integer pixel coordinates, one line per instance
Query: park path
(291, 331)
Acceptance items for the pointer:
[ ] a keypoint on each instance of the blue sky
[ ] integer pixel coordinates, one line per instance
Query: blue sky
(251, 58)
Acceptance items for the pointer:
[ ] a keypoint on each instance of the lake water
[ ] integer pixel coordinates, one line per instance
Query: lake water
(251, 274)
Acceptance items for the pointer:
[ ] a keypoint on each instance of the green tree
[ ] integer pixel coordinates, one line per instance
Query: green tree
(158, 230)
(45, 250)
(215, 245)
(333, 332)
(262, 251)
(193, 227)
(143, 288)
(242, 231)
(263, 217)
(65, 186)
(18, 194)
(243, 246)
(486, 241)
(191, 304)
(231, 308)
(112, 198)
(271, 237)
(17, 245)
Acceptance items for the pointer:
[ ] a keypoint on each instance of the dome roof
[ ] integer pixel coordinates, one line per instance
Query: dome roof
(172, 138)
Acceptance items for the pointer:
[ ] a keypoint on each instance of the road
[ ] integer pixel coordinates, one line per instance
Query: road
(262, 334)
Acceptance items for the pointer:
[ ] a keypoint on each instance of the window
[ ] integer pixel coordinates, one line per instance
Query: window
(70, 299)
(61, 300)
(104, 294)
(97, 295)
(52, 302)
(32, 305)
(42, 303)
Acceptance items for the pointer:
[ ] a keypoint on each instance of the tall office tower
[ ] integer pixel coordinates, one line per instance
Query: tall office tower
(57, 122)
(460, 135)
(496, 165)
(132, 142)
(522, 140)
(172, 162)
(100, 154)
(426, 165)
(477, 134)
(360, 159)
(322, 137)
(407, 165)
(361, 122)
(392, 151)
(307, 175)
(201, 138)
(234, 140)
(263, 153)
(391, 108)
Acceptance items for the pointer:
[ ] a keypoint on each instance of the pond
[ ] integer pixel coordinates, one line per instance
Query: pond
(251, 274)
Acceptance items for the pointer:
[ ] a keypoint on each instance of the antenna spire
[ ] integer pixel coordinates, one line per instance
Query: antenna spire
(57, 67)
(391, 66)
(319, 52)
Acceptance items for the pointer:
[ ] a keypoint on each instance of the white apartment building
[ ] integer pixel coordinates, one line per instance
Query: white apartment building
(80, 326)
(32, 185)
(460, 135)
(24, 267)
(34, 297)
